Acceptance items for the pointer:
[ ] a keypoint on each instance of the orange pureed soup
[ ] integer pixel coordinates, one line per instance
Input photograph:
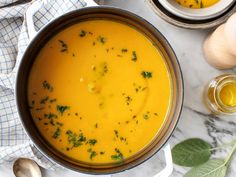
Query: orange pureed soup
(99, 91)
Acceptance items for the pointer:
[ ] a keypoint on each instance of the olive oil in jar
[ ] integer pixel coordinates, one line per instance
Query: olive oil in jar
(220, 95)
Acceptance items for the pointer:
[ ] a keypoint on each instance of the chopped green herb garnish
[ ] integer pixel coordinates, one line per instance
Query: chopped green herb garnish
(50, 115)
(146, 74)
(57, 133)
(44, 100)
(62, 109)
(92, 153)
(144, 88)
(134, 56)
(51, 121)
(139, 87)
(146, 116)
(124, 50)
(82, 33)
(96, 125)
(59, 124)
(81, 137)
(102, 152)
(103, 69)
(64, 47)
(116, 133)
(74, 139)
(101, 39)
(53, 100)
(47, 86)
(122, 138)
(69, 132)
(64, 50)
(92, 142)
(118, 156)
(128, 99)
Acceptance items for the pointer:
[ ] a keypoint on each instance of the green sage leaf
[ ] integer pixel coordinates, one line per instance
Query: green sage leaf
(191, 152)
(212, 168)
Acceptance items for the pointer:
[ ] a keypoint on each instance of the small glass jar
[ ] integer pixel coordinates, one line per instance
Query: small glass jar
(220, 95)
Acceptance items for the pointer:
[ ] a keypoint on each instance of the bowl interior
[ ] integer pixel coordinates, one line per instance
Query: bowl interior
(99, 13)
(197, 14)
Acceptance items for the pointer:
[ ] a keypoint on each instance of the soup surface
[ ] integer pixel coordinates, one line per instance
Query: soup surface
(197, 4)
(99, 91)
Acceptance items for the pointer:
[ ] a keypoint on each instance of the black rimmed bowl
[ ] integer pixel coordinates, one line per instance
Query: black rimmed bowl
(67, 20)
(183, 17)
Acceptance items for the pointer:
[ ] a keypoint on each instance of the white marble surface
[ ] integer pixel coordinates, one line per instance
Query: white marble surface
(196, 120)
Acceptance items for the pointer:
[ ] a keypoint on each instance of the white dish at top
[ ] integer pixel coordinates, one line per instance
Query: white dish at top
(197, 14)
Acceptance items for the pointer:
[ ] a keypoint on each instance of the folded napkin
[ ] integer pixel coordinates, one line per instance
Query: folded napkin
(14, 38)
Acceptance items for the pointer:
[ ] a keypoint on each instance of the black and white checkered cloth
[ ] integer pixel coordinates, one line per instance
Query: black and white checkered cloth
(14, 39)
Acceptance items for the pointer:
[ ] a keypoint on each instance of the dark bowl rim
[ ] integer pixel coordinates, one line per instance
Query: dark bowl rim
(181, 95)
(181, 22)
